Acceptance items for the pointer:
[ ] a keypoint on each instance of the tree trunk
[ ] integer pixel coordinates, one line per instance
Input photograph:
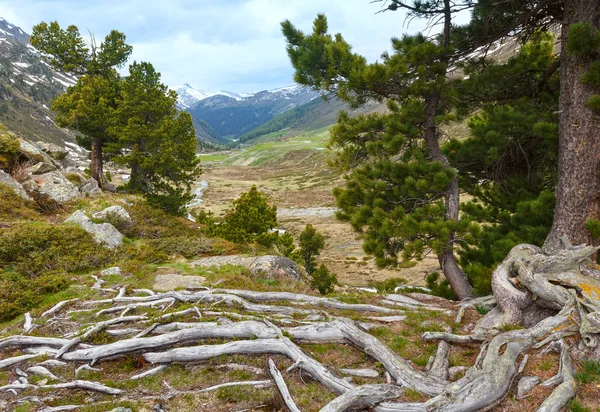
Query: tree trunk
(456, 277)
(96, 164)
(134, 180)
(578, 190)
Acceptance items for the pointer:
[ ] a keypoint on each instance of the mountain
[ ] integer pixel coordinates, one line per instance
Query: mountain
(314, 115)
(27, 87)
(231, 115)
(188, 96)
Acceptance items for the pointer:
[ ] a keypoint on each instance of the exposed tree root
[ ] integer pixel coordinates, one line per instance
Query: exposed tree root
(549, 295)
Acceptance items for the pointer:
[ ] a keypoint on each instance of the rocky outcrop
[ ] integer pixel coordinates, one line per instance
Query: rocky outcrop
(53, 185)
(113, 212)
(8, 180)
(266, 266)
(103, 233)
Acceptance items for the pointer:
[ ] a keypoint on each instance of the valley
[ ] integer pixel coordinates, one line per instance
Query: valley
(295, 176)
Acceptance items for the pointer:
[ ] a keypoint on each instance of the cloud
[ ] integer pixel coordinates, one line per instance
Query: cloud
(231, 45)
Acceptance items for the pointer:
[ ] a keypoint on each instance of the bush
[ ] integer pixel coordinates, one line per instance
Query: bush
(322, 280)
(152, 223)
(38, 248)
(186, 246)
(13, 207)
(9, 150)
(250, 217)
(19, 294)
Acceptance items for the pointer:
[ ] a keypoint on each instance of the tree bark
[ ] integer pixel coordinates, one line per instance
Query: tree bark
(96, 166)
(578, 190)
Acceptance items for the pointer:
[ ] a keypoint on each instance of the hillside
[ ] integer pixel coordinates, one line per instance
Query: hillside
(27, 87)
(314, 115)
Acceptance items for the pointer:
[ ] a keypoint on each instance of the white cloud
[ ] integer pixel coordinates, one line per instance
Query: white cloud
(217, 44)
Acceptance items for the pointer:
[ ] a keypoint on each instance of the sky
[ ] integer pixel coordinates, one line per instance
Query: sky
(233, 45)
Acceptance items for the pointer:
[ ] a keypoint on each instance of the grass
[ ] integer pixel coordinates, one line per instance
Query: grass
(590, 372)
(261, 153)
(212, 157)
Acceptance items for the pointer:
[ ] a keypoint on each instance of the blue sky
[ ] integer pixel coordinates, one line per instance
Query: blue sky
(233, 45)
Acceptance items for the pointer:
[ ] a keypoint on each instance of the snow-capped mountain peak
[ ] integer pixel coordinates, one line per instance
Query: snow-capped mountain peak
(189, 95)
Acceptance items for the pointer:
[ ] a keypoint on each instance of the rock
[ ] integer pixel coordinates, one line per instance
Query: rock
(103, 233)
(41, 168)
(275, 266)
(219, 261)
(121, 409)
(53, 185)
(115, 270)
(8, 180)
(90, 188)
(113, 212)
(168, 282)
(268, 266)
(31, 152)
(526, 384)
(54, 151)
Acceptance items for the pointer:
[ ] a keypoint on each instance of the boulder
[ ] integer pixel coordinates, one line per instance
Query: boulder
(52, 185)
(41, 168)
(113, 212)
(268, 266)
(104, 233)
(90, 188)
(173, 281)
(31, 152)
(75, 177)
(275, 266)
(8, 180)
(54, 151)
(115, 270)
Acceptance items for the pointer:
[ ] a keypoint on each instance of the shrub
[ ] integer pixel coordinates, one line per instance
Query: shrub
(9, 150)
(13, 207)
(182, 246)
(322, 280)
(311, 243)
(19, 294)
(250, 217)
(37, 248)
(153, 223)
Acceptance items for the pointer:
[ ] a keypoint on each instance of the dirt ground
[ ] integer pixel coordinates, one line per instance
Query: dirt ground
(301, 183)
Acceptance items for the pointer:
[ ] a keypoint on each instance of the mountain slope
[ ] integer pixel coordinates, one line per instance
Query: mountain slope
(27, 87)
(231, 117)
(314, 115)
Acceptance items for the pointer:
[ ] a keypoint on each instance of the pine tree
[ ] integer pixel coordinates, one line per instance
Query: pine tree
(508, 163)
(154, 140)
(579, 135)
(400, 185)
(86, 106)
(310, 245)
